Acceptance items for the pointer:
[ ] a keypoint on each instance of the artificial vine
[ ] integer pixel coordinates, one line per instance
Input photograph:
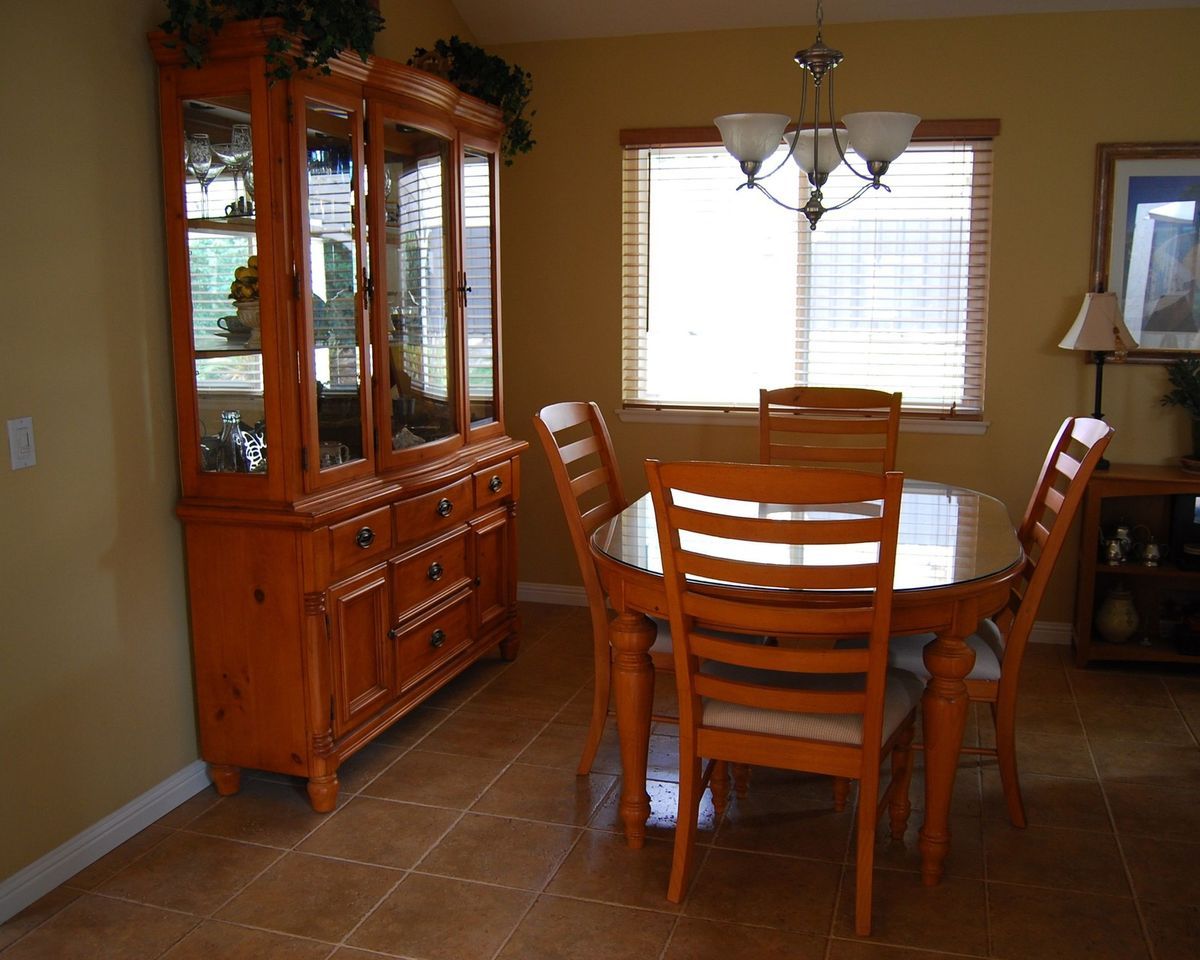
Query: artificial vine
(490, 78)
(323, 29)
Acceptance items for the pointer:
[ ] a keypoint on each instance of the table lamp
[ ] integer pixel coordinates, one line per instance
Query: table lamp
(1100, 330)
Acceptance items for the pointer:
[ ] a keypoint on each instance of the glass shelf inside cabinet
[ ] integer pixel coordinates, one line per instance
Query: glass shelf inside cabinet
(222, 245)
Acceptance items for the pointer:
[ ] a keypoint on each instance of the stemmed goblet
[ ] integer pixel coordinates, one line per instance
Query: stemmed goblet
(236, 154)
(201, 165)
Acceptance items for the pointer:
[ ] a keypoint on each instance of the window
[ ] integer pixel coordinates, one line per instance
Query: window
(724, 292)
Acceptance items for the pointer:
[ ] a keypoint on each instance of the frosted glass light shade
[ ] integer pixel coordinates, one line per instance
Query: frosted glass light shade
(880, 136)
(751, 136)
(827, 157)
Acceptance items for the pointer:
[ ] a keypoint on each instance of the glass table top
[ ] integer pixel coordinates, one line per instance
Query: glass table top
(948, 535)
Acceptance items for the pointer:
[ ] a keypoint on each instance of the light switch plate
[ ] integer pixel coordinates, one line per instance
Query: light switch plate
(20, 443)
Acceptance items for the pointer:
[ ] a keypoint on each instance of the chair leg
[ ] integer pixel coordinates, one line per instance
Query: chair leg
(841, 790)
(719, 784)
(864, 863)
(599, 708)
(1006, 757)
(741, 779)
(691, 786)
(900, 806)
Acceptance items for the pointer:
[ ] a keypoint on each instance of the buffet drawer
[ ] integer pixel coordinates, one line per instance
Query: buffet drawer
(494, 485)
(433, 639)
(432, 513)
(369, 536)
(428, 573)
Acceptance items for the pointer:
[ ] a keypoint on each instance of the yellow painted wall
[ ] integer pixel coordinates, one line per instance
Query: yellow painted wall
(95, 681)
(95, 675)
(1059, 84)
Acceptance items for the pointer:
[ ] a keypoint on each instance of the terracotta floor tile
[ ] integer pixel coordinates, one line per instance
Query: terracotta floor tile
(786, 893)
(435, 778)
(35, 914)
(951, 917)
(499, 850)
(1030, 923)
(1049, 801)
(275, 814)
(1057, 756)
(191, 872)
(708, 940)
(365, 766)
(99, 928)
(480, 734)
(865, 950)
(1166, 812)
(543, 793)
(1039, 715)
(774, 821)
(560, 744)
(1154, 764)
(214, 939)
(1174, 930)
(559, 929)
(1055, 857)
(434, 918)
(664, 800)
(387, 833)
(412, 727)
(191, 808)
(602, 867)
(966, 848)
(1121, 721)
(120, 857)
(311, 896)
(1112, 686)
(1165, 871)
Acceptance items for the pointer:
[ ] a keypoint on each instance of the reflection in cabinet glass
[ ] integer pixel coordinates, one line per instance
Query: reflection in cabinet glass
(351, 543)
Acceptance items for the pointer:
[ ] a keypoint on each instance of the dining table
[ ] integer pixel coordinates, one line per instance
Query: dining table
(957, 557)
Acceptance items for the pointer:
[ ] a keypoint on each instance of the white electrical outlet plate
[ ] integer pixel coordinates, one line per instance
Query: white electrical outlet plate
(20, 443)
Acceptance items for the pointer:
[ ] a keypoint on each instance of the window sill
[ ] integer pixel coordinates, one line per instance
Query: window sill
(745, 418)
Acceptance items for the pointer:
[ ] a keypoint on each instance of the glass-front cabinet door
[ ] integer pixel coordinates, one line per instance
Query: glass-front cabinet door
(337, 440)
(417, 368)
(477, 284)
(223, 285)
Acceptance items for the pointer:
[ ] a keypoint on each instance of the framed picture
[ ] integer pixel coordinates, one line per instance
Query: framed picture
(1147, 242)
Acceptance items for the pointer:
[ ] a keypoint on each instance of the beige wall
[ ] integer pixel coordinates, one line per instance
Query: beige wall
(95, 682)
(1059, 85)
(95, 675)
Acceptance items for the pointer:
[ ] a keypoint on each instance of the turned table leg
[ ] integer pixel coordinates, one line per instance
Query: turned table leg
(944, 717)
(631, 635)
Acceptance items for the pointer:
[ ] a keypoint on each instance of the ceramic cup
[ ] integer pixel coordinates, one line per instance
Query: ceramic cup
(333, 453)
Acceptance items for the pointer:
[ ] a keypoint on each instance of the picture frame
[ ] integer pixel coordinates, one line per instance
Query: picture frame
(1146, 246)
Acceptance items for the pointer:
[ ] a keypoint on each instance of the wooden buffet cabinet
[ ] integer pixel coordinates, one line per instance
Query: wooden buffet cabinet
(348, 488)
(1141, 498)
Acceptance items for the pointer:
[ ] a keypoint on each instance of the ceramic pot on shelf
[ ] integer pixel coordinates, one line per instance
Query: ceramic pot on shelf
(247, 311)
(1117, 618)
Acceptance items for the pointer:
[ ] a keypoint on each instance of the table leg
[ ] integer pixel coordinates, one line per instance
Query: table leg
(944, 717)
(631, 635)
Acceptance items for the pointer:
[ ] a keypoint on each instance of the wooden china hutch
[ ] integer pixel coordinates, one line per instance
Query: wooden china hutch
(348, 488)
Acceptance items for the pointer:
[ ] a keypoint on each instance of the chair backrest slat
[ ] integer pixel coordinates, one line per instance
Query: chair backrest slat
(829, 425)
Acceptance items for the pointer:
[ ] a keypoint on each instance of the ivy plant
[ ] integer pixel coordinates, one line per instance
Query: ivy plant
(321, 28)
(490, 78)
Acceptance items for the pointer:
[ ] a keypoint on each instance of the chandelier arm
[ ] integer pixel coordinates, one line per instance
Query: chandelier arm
(858, 193)
(843, 153)
(779, 203)
(795, 140)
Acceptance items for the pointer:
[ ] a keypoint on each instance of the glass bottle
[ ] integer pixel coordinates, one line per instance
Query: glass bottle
(232, 455)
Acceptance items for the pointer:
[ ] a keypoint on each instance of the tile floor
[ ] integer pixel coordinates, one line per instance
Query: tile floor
(463, 834)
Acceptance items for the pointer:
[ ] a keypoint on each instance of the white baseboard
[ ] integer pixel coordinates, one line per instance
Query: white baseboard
(1042, 632)
(40, 877)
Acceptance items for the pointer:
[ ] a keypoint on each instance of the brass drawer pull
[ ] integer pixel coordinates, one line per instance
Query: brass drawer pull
(365, 537)
(444, 507)
(495, 484)
(435, 571)
(438, 638)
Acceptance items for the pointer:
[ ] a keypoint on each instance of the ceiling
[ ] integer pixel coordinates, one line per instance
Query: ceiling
(520, 21)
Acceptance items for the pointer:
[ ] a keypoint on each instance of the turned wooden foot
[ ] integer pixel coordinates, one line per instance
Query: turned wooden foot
(322, 793)
(227, 779)
(510, 647)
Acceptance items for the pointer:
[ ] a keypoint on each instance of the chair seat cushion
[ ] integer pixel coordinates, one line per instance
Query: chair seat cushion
(903, 694)
(905, 652)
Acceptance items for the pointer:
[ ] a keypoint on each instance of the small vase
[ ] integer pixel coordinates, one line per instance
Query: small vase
(1117, 618)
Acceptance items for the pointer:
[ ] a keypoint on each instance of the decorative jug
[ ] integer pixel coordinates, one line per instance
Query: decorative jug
(1117, 618)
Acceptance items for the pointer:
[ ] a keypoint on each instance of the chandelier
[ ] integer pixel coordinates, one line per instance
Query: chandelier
(877, 137)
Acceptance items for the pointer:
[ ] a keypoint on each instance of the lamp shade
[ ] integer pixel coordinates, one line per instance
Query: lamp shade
(751, 136)
(1099, 327)
(827, 158)
(880, 136)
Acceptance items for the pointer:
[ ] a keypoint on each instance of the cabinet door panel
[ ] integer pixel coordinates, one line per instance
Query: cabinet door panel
(479, 287)
(493, 580)
(361, 651)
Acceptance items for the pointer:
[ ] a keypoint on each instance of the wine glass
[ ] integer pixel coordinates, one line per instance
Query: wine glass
(236, 153)
(201, 165)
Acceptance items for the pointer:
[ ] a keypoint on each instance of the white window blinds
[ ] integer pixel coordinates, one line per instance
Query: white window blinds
(724, 292)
